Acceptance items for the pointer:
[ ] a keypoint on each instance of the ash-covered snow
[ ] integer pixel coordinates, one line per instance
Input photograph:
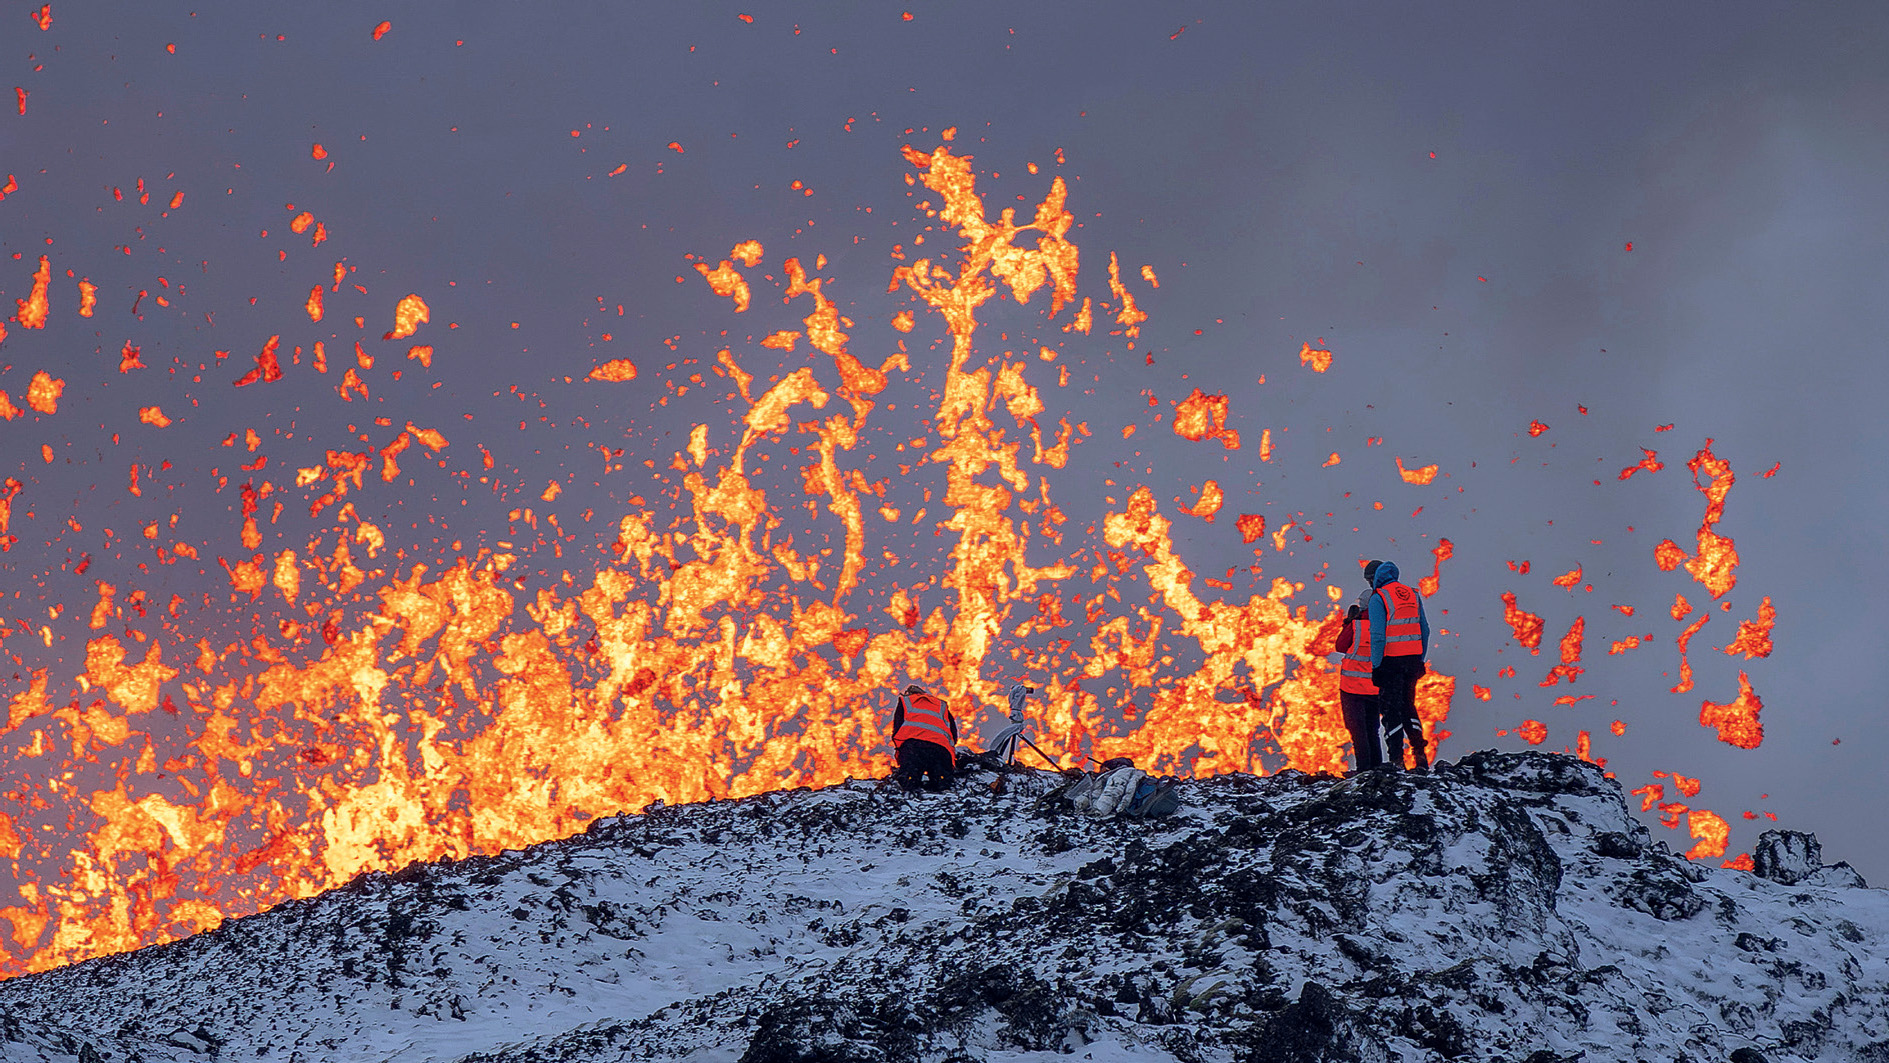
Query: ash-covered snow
(1504, 908)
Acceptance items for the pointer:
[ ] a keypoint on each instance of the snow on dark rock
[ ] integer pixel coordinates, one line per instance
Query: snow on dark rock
(1508, 907)
(1787, 856)
(1791, 857)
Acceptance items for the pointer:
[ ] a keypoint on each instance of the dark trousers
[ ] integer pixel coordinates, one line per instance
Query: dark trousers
(923, 764)
(1361, 720)
(1396, 680)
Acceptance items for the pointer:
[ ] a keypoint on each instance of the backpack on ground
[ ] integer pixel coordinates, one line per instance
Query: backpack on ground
(1123, 791)
(1081, 793)
(1154, 798)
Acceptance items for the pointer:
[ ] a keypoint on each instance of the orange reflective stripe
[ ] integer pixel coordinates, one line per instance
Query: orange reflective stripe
(1354, 671)
(926, 719)
(1357, 684)
(1403, 634)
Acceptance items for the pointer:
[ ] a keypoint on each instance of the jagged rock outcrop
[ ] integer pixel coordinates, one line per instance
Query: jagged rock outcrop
(1790, 857)
(1508, 907)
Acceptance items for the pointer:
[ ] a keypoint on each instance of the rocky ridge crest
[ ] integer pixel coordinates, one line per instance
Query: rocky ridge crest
(1507, 907)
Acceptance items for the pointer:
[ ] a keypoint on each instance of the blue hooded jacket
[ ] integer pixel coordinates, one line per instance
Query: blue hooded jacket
(1387, 573)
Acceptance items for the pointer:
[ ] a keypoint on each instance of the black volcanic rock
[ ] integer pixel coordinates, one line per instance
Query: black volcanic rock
(1507, 907)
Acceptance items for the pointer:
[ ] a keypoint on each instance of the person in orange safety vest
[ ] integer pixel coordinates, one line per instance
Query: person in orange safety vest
(924, 736)
(1357, 695)
(1400, 639)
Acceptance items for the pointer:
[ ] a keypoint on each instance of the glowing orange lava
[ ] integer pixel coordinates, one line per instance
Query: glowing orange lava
(1649, 463)
(42, 393)
(1754, 636)
(1416, 476)
(723, 649)
(1202, 416)
(1715, 565)
(1685, 662)
(1443, 551)
(33, 308)
(373, 704)
(409, 315)
(1525, 625)
(1570, 666)
(1737, 720)
(1710, 832)
(727, 281)
(616, 370)
(1208, 503)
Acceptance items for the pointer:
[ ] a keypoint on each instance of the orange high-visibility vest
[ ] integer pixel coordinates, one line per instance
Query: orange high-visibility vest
(1403, 636)
(925, 719)
(1354, 672)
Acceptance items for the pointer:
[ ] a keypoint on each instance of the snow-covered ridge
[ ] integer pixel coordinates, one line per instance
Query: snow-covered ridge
(1507, 907)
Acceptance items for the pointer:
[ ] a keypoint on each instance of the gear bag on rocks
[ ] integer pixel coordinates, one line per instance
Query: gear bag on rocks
(1123, 790)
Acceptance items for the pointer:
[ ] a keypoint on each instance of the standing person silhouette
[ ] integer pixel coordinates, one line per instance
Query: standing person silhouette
(1400, 639)
(1357, 695)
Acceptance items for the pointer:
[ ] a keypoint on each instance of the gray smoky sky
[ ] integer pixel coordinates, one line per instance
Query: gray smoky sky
(1443, 195)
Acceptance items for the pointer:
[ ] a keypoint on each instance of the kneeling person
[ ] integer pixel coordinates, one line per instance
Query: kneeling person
(924, 735)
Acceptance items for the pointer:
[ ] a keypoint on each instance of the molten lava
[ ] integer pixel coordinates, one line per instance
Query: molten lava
(1430, 584)
(1423, 475)
(1754, 636)
(1715, 564)
(364, 702)
(1736, 721)
(1202, 416)
(730, 647)
(1570, 666)
(1526, 626)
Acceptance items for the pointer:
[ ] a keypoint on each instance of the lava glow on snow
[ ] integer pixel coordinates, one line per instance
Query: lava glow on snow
(358, 695)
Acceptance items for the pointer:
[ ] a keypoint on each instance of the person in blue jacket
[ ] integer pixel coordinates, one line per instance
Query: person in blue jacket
(1400, 640)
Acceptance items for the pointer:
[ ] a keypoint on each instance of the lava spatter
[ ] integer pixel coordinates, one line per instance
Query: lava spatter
(375, 704)
(1715, 563)
(1736, 721)
(1754, 636)
(1526, 626)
